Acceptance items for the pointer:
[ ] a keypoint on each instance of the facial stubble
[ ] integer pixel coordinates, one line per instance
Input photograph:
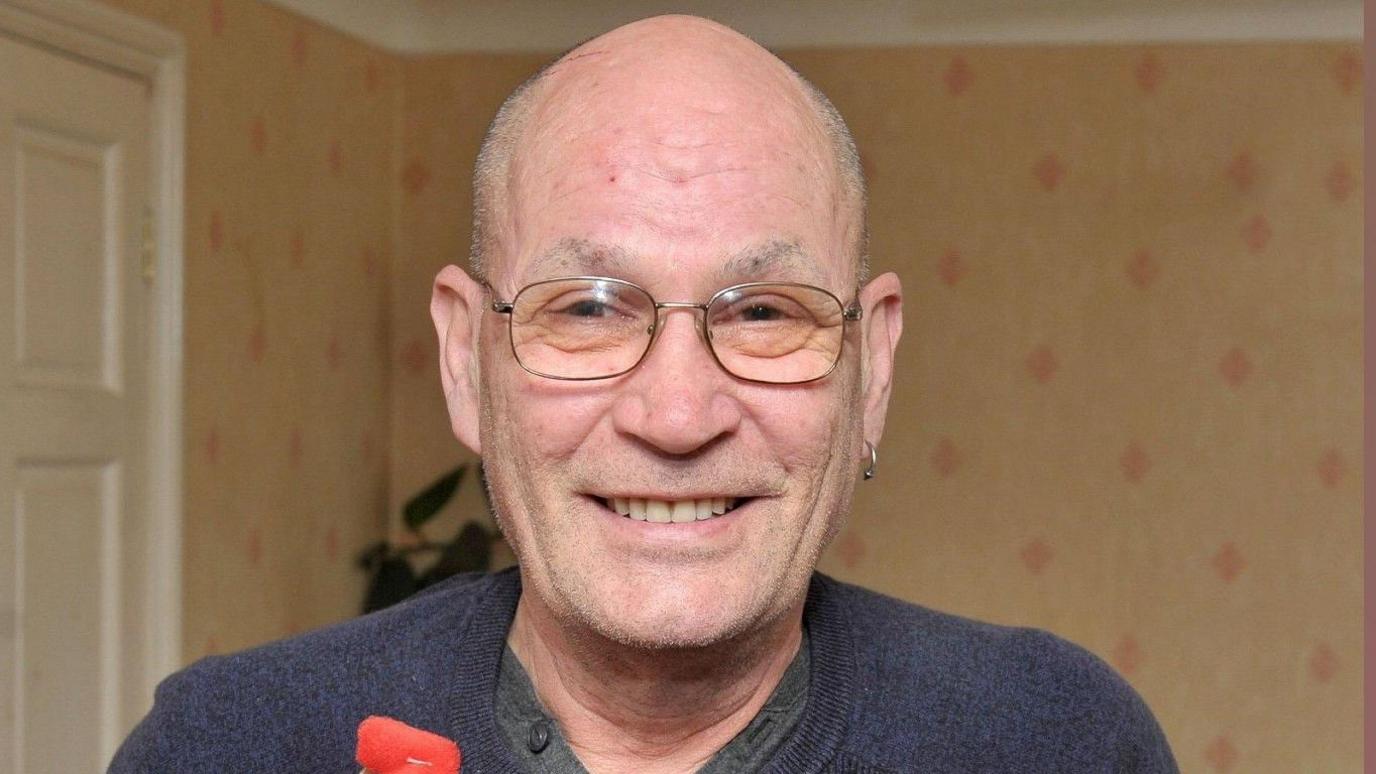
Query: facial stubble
(546, 545)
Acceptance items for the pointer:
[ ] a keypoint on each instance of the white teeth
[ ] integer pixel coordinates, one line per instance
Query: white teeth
(657, 511)
(682, 511)
(670, 511)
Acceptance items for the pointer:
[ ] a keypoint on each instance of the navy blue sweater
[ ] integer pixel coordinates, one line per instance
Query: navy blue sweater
(894, 688)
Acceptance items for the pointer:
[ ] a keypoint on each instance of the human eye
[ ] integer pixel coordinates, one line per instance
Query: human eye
(762, 308)
(589, 306)
(762, 311)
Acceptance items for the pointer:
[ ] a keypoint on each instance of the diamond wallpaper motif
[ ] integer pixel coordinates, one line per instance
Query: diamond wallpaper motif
(1129, 393)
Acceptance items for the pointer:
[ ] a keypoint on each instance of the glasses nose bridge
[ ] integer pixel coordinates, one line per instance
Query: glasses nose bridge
(699, 322)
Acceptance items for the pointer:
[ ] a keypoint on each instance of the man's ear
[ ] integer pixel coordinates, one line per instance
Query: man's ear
(882, 300)
(456, 306)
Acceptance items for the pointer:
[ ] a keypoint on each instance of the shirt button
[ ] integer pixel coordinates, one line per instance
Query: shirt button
(539, 736)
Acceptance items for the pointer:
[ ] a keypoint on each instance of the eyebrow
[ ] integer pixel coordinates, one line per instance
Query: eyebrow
(777, 260)
(773, 260)
(570, 256)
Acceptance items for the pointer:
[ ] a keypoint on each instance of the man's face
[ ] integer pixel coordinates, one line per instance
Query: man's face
(682, 191)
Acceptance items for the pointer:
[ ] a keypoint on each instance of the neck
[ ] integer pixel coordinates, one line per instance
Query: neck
(626, 709)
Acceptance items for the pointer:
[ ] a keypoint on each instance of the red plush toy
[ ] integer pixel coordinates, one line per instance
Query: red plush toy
(387, 746)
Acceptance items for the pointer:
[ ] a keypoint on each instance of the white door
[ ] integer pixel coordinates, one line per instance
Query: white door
(74, 306)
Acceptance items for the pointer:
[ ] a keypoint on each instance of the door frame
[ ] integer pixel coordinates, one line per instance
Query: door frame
(88, 30)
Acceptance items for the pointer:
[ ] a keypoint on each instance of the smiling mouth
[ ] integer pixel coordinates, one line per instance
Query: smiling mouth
(671, 511)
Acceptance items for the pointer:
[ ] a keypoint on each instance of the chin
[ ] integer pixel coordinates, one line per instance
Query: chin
(669, 611)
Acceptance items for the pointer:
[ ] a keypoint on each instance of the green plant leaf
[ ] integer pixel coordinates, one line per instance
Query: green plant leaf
(424, 506)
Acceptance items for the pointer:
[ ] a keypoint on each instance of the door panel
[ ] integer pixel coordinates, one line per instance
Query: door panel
(74, 161)
(65, 332)
(67, 528)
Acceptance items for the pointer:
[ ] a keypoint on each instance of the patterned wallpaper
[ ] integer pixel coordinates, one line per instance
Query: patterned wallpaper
(447, 103)
(1129, 399)
(1129, 393)
(1128, 405)
(289, 232)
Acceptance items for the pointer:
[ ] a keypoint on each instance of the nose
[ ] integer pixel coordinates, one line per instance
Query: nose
(678, 400)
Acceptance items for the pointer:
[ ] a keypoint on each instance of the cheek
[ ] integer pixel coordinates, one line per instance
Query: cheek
(802, 426)
(554, 426)
(540, 420)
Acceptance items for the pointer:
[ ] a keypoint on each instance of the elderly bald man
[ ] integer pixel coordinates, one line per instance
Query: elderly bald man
(675, 368)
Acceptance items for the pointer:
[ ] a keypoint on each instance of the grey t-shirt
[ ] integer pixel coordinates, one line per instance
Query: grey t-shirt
(535, 737)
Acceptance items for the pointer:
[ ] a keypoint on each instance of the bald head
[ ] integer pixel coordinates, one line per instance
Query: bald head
(684, 83)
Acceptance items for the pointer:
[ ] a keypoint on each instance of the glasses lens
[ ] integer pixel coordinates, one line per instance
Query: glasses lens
(776, 333)
(581, 329)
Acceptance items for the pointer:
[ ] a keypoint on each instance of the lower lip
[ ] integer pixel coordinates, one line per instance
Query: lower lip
(673, 532)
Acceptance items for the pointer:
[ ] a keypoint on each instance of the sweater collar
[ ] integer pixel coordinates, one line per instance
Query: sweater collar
(478, 655)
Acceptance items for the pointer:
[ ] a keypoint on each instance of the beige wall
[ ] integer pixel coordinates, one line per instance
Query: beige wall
(1128, 405)
(446, 106)
(1129, 394)
(289, 231)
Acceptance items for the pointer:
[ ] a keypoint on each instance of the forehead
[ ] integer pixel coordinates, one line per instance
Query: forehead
(713, 177)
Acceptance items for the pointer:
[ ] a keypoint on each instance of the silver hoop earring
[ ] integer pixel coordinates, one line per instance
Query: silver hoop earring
(874, 461)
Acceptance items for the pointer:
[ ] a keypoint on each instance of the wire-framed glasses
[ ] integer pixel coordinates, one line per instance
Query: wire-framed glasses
(581, 328)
